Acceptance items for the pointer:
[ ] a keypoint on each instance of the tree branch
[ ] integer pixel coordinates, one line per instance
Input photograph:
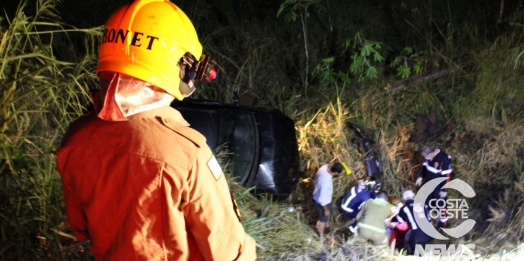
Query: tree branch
(421, 78)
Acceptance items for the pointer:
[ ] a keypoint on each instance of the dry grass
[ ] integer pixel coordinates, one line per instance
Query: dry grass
(485, 155)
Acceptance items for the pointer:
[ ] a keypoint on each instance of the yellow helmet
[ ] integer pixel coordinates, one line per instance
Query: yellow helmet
(146, 39)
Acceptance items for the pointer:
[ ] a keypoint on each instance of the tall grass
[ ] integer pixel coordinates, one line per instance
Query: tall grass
(40, 97)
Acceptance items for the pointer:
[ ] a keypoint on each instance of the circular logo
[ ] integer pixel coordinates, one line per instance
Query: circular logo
(420, 200)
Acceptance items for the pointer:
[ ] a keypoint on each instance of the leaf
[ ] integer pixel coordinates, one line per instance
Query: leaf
(284, 5)
(403, 71)
(347, 44)
(372, 72)
(396, 62)
(367, 49)
(344, 77)
(377, 57)
(356, 65)
(328, 60)
(417, 68)
(406, 51)
(291, 17)
(328, 75)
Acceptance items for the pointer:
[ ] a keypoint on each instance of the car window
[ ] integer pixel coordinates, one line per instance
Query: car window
(238, 133)
(205, 122)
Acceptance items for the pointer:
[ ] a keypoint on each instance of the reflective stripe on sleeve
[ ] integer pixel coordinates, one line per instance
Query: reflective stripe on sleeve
(345, 204)
(411, 219)
(432, 169)
(376, 229)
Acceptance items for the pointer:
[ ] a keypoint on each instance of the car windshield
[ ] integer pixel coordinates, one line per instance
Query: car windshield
(237, 133)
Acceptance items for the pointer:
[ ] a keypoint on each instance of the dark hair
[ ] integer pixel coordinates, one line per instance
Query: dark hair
(383, 195)
(336, 167)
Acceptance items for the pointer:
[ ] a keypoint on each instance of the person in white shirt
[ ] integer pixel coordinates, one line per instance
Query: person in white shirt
(323, 193)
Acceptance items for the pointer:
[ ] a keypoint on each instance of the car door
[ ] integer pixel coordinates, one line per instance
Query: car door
(239, 136)
(229, 132)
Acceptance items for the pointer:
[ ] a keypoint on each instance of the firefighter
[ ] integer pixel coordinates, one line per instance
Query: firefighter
(356, 196)
(137, 181)
(408, 213)
(436, 164)
(371, 219)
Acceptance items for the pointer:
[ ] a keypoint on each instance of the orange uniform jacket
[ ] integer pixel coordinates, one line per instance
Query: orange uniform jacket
(148, 189)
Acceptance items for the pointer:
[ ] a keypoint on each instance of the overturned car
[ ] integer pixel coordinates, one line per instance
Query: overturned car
(260, 144)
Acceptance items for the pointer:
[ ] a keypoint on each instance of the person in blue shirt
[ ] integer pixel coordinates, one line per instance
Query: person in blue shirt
(437, 164)
(356, 196)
